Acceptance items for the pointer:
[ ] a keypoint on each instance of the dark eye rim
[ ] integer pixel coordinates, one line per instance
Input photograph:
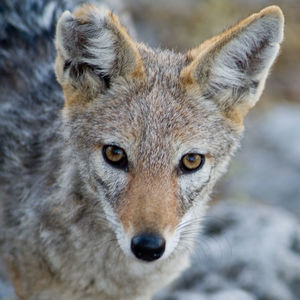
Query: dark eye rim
(185, 170)
(120, 164)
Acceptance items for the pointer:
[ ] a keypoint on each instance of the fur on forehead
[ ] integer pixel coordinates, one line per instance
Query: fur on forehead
(155, 114)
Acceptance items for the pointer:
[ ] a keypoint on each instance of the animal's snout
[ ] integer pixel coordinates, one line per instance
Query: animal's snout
(147, 246)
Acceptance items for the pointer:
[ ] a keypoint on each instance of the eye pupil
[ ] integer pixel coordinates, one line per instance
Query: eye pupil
(115, 156)
(191, 158)
(116, 151)
(191, 162)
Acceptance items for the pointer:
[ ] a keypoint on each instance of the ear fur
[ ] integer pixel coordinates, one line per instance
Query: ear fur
(93, 48)
(232, 67)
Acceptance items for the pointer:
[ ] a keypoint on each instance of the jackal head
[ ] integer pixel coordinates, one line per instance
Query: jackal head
(152, 130)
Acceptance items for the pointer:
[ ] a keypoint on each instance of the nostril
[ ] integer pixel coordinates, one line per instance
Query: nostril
(148, 246)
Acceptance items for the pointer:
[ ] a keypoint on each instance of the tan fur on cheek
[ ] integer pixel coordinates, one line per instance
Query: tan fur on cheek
(238, 114)
(150, 205)
(72, 96)
(186, 79)
(235, 116)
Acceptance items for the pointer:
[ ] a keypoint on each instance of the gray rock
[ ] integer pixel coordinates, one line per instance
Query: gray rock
(268, 166)
(231, 295)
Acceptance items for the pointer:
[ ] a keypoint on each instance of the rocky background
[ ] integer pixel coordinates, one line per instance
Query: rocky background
(250, 245)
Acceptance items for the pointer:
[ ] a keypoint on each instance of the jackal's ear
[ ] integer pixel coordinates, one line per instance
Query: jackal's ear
(93, 49)
(231, 68)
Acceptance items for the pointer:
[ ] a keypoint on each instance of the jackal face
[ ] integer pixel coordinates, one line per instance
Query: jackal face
(153, 130)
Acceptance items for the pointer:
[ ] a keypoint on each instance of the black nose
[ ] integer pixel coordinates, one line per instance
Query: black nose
(148, 246)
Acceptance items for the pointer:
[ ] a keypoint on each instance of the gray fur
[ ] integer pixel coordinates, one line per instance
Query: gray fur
(58, 199)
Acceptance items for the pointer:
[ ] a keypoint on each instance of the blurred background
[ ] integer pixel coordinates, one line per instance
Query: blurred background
(250, 245)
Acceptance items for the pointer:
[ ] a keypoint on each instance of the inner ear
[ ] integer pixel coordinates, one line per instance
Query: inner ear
(231, 68)
(93, 49)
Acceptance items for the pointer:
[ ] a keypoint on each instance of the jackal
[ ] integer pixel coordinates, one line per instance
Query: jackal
(105, 181)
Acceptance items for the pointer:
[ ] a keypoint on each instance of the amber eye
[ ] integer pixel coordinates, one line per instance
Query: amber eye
(115, 156)
(192, 162)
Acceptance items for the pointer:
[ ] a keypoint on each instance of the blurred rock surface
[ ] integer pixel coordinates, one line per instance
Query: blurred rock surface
(267, 167)
(248, 251)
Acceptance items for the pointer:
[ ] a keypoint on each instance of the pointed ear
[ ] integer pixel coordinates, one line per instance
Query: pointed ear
(231, 68)
(93, 49)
